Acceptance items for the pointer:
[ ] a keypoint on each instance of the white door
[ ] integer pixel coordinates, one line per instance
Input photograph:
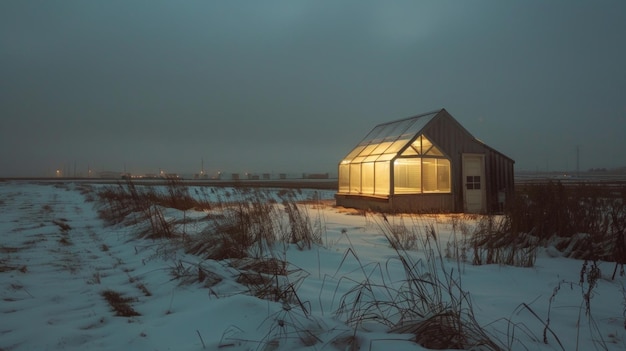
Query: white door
(474, 183)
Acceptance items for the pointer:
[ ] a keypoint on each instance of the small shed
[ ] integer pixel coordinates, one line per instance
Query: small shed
(425, 163)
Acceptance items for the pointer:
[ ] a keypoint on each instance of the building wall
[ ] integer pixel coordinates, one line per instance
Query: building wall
(418, 203)
(455, 140)
(426, 203)
(500, 181)
(363, 202)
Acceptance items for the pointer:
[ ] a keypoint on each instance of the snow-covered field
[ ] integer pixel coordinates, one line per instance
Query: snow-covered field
(58, 262)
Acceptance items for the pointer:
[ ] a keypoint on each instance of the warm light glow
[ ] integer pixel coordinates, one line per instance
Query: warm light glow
(367, 169)
(421, 175)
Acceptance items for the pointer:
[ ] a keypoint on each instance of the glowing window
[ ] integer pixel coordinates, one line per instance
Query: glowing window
(381, 178)
(367, 178)
(421, 175)
(407, 176)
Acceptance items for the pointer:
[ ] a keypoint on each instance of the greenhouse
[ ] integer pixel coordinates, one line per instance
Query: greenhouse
(417, 164)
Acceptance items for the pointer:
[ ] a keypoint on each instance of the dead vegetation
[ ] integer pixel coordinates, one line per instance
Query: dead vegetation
(584, 221)
(120, 305)
(5, 262)
(429, 303)
(62, 224)
(243, 226)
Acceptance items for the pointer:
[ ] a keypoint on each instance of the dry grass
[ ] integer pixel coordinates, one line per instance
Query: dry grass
(244, 225)
(557, 212)
(120, 305)
(493, 242)
(271, 279)
(429, 303)
(62, 224)
(302, 230)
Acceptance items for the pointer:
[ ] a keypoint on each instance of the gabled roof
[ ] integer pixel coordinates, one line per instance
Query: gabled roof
(405, 128)
(386, 139)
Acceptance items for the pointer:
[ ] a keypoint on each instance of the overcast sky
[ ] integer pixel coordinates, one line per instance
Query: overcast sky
(292, 86)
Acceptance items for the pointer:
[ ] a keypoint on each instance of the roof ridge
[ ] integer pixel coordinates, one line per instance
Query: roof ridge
(412, 117)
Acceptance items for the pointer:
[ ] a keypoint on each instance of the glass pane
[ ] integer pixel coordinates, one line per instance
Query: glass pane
(410, 151)
(407, 176)
(368, 150)
(355, 178)
(367, 178)
(380, 149)
(396, 146)
(392, 137)
(419, 123)
(434, 151)
(428, 148)
(443, 175)
(429, 169)
(397, 129)
(426, 144)
(357, 160)
(386, 157)
(381, 177)
(344, 178)
(402, 129)
(384, 131)
(354, 152)
(408, 132)
(372, 135)
(473, 182)
(417, 145)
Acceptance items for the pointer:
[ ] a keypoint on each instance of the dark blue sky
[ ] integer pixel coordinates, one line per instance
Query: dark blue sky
(292, 86)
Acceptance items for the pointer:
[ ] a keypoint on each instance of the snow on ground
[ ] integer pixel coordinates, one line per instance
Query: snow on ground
(58, 258)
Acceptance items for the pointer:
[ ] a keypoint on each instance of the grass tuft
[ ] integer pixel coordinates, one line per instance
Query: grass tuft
(121, 305)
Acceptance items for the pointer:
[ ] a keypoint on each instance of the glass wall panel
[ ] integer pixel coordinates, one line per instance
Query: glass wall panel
(436, 175)
(443, 175)
(426, 144)
(367, 178)
(355, 178)
(344, 178)
(422, 167)
(410, 151)
(407, 176)
(429, 169)
(417, 145)
(434, 151)
(381, 177)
